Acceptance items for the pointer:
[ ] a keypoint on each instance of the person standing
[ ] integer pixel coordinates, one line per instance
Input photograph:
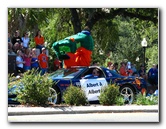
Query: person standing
(122, 69)
(27, 59)
(39, 40)
(133, 68)
(128, 68)
(57, 64)
(25, 40)
(156, 75)
(109, 65)
(152, 75)
(43, 61)
(19, 62)
(17, 41)
(34, 60)
(10, 45)
(116, 67)
(142, 72)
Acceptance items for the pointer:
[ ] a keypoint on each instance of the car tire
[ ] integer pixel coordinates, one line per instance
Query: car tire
(128, 93)
(55, 96)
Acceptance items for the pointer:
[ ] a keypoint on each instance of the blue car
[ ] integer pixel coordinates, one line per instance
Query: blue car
(129, 86)
(81, 77)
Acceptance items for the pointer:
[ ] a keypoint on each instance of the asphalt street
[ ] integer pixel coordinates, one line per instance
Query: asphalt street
(91, 113)
(80, 109)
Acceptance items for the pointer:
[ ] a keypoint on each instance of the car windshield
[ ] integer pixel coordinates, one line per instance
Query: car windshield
(65, 73)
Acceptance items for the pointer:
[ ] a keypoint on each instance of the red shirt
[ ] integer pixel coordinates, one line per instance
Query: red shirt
(130, 72)
(122, 71)
(56, 64)
(43, 60)
(39, 40)
(27, 61)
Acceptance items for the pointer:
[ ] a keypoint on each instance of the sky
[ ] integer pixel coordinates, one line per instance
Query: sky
(5, 4)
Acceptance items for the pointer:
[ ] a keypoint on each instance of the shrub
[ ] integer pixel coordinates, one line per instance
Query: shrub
(34, 88)
(12, 80)
(74, 96)
(109, 95)
(146, 100)
(120, 100)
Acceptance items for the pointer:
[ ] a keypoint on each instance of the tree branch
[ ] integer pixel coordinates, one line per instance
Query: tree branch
(75, 20)
(142, 17)
(119, 12)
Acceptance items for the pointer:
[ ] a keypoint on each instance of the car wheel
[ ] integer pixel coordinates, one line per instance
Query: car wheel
(55, 96)
(128, 93)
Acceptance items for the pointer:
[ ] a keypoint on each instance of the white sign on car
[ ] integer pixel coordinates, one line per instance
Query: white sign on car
(92, 87)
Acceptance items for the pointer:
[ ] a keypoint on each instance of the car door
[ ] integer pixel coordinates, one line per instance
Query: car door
(92, 86)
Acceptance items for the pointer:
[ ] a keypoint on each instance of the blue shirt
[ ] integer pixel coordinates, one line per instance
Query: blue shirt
(34, 65)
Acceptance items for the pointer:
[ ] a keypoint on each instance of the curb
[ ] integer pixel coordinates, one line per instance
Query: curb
(80, 110)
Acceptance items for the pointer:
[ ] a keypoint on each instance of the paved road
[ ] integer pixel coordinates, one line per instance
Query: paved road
(90, 117)
(80, 109)
(90, 113)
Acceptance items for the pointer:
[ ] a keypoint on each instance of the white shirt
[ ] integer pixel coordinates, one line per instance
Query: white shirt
(156, 93)
(19, 59)
(25, 42)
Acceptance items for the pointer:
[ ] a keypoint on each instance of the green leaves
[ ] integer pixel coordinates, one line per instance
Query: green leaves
(74, 96)
(109, 95)
(35, 89)
(146, 100)
(116, 30)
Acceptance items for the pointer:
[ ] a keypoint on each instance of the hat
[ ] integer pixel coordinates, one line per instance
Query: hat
(43, 48)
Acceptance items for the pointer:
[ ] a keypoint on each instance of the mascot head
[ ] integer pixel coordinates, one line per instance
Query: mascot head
(86, 30)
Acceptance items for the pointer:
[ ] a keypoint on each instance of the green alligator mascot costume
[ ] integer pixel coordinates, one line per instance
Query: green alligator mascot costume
(75, 50)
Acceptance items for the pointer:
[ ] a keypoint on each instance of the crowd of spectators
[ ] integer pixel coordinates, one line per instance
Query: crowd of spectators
(129, 69)
(26, 57)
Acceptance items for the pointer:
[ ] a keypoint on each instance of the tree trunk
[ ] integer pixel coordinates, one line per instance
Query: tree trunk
(75, 20)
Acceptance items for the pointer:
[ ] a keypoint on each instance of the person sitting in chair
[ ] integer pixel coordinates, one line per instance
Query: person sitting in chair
(95, 74)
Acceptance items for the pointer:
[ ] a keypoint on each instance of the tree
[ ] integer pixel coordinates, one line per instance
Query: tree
(113, 29)
(93, 15)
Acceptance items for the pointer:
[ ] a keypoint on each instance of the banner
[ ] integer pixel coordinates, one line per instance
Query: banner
(92, 87)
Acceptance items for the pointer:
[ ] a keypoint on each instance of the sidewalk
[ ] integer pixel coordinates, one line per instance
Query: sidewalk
(80, 109)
